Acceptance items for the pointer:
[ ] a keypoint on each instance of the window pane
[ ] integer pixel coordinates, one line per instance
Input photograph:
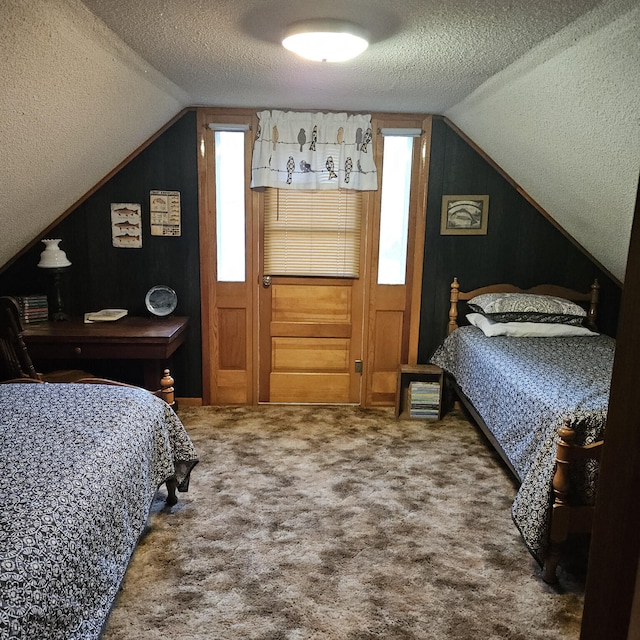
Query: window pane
(394, 211)
(230, 212)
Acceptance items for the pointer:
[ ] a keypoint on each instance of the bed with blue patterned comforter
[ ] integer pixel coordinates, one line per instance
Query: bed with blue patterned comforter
(523, 389)
(79, 468)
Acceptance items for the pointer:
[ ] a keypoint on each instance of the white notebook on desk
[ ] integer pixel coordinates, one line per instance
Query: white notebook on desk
(105, 315)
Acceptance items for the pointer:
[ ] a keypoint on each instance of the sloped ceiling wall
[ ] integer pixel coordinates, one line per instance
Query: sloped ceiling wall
(74, 103)
(564, 122)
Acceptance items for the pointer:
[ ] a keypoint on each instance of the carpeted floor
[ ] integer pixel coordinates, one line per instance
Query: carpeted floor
(339, 523)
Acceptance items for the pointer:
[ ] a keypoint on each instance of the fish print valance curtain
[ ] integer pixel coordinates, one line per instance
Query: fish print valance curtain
(313, 151)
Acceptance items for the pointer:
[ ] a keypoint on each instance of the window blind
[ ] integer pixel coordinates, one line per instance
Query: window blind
(312, 233)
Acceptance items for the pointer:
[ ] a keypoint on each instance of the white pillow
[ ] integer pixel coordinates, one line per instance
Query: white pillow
(526, 329)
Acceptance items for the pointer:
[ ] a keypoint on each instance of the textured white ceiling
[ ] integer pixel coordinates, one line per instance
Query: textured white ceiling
(552, 78)
(549, 88)
(74, 102)
(425, 55)
(564, 120)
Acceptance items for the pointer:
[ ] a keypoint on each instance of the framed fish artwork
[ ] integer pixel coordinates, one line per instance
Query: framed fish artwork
(464, 215)
(126, 225)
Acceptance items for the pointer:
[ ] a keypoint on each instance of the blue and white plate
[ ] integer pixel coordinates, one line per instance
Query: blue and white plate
(161, 300)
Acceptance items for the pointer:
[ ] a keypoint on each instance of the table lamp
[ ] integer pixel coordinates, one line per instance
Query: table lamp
(55, 260)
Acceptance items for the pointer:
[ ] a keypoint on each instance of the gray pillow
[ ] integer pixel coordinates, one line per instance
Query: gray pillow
(528, 307)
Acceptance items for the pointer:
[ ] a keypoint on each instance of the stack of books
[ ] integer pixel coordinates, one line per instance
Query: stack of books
(33, 308)
(424, 399)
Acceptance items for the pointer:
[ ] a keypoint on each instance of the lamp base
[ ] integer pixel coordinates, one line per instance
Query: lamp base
(56, 312)
(58, 315)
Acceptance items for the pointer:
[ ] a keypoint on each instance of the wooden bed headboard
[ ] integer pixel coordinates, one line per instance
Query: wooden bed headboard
(543, 289)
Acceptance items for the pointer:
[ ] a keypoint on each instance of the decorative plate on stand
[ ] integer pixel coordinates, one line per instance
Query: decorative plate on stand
(161, 300)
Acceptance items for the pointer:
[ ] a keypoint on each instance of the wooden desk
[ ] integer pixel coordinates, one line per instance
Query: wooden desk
(152, 340)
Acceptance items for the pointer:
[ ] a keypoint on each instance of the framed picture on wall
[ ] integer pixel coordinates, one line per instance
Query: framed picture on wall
(464, 215)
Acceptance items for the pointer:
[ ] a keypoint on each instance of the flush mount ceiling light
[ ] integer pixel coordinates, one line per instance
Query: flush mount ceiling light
(325, 40)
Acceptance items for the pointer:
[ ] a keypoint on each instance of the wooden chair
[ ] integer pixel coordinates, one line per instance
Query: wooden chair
(15, 361)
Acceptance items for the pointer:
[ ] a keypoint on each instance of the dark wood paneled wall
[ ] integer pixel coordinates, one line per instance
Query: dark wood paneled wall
(103, 276)
(521, 247)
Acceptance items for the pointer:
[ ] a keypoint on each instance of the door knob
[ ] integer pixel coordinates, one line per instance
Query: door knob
(266, 281)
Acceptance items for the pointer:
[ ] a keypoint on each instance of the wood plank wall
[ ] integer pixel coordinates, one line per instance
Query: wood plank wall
(522, 246)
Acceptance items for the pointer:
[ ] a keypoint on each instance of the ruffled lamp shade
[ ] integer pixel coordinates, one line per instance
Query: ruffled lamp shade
(53, 257)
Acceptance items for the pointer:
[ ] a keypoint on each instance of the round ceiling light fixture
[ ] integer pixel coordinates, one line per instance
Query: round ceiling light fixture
(325, 40)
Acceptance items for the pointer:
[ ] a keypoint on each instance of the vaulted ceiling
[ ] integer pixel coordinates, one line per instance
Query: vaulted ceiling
(425, 55)
(548, 89)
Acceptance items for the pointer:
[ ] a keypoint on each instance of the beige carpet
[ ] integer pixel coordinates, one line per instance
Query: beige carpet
(338, 523)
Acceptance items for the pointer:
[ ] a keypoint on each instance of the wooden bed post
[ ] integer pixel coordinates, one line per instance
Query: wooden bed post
(453, 310)
(566, 517)
(167, 392)
(560, 511)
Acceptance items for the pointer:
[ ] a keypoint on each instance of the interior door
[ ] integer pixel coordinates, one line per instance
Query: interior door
(310, 339)
(301, 339)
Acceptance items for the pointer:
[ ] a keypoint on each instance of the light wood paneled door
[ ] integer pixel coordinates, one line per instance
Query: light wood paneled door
(311, 340)
(228, 306)
(393, 309)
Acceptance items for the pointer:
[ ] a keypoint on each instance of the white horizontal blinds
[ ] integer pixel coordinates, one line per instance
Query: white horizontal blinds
(312, 233)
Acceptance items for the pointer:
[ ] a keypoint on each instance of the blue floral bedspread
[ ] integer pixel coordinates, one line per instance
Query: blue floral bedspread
(79, 468)
(524, 388)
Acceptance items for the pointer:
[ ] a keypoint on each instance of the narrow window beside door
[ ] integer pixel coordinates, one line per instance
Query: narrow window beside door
(230, 209)
(394, 209)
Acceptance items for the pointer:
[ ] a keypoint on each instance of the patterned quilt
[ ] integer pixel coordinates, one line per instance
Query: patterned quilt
(523, 388)
(79, 468)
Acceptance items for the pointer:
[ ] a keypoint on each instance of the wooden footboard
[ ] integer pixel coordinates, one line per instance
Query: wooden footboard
(567, 518)
(166, 391)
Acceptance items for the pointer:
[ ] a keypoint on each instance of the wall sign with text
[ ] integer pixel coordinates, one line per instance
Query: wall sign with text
(164, 209)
